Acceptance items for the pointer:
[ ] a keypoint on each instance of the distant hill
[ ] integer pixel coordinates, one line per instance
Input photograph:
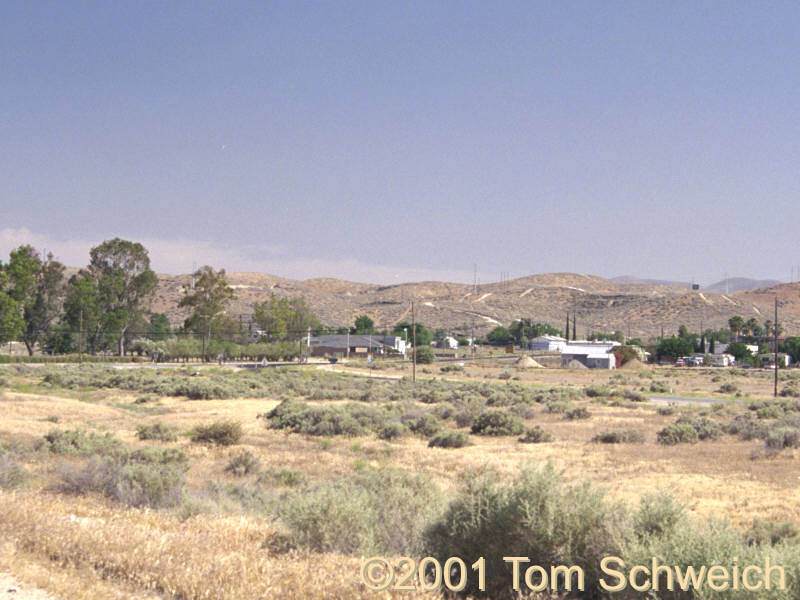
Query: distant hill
(633, 279)
(738, 284)
(639, 308)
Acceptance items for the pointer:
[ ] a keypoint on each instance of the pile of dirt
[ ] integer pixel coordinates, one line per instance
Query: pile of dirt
(576, 364)
(526, 362)
(633, 364)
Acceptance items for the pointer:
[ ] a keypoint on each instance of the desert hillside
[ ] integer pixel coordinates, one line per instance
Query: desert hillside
(642, 309)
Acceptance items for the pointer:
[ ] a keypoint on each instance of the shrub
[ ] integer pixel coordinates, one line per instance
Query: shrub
(536, 435)
(677, 433)
(424, 355)
(620, 436)
(770, 411)
(371, 512)
(706, 428)
(634, 396)
(78, 442)
(12, 474)
(767, 532)
(783, 437)
(150, 478)
(728, 388)
(667, 410)
(497, 422)
(659, 387)
(558, 407)
(578, 413)
(287, 477)
(449, 439)
(538, 516)
(747, 428)
(156, 431)
(393, 431)
(658, 514)
(222, 433)
(243, 463)
(597, 390)
(424, 425)
(456, 368)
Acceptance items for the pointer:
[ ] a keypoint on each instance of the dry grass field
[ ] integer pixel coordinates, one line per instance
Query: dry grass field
(86, 517)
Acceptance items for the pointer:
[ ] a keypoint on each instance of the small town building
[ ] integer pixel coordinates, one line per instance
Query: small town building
(342, 345)
(548, 343)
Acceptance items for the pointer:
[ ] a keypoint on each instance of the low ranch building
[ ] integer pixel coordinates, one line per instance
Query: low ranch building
(594, 355)
(342, 345)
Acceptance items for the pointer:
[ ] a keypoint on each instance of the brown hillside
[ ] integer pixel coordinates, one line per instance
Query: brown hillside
(600, 304)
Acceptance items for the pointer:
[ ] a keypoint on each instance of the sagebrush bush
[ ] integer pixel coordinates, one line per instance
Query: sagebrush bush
(747, 428)
(620, 436)
(706, 428)
(667, 410)
(558, 407)
(659, 387)
(243, 463)
(371, 512)
(769, 532)
(578, 414)
(779, 438)
(221, 433)
(146, 477)
(538, 516)
(536, 435)
(156, 431)
(677, 433)
(596, 390)
(12, 473)
(393, 431)
(497, 422)
(78, 442)
(449, 439)
(274, 476)
(728, 388)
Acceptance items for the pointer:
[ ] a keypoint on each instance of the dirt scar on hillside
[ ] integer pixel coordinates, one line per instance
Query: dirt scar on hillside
(11, 589)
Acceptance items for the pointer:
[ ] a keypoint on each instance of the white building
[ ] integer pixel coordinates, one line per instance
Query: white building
(549, 343)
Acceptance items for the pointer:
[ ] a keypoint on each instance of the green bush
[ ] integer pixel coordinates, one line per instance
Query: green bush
(287, 477)
(747, 428)
(221, 433)
(706, 428)
(536, 435)
(578, 414)
(243, 463)
(423, 425)
(147, 477)
(677, 433)
(12, 474)
(538, 516)
(78, 442)
(770, 411)
(667, 410)
(728, 388)
(659, 387)
(156, 431)
(371, 512)
(348, 419)
(424, 355)
(559, 407)
(767, 532)
(393, 431)
(783, 437)
(620, 436)
(449, 439)
(497, 422)
(597, 390)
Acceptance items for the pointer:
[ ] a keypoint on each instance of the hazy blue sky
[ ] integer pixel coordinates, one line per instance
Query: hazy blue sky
(389, 141)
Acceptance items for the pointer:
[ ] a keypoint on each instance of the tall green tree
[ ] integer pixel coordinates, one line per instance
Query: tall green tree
(125, 284)
(525, 328)
(11, 322)
(208, 299)
(38, 286)
(736, 323)
(424, 335)
(83, 313)
(364, 325)
(284, 318)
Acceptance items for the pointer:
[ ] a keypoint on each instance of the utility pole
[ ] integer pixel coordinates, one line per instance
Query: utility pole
(414, 342)
(80, 338)
(775, 325)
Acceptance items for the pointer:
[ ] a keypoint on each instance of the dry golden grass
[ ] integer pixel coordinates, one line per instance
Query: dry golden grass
(202, 557)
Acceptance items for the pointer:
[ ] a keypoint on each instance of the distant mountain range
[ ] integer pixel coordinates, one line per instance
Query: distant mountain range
(726, 286)
(641, 308)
